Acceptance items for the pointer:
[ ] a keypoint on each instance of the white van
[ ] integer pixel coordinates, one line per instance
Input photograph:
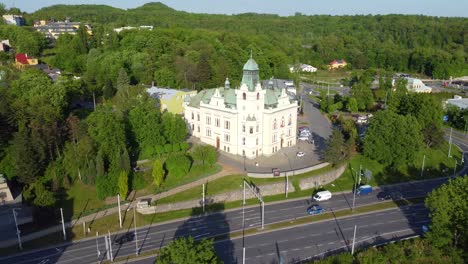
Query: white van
(322, 196)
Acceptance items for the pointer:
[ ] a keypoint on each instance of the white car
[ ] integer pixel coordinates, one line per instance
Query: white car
(300, 154)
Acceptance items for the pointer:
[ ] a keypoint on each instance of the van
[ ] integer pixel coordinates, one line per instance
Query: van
(144, 203)
(364, 190)
(322, 196)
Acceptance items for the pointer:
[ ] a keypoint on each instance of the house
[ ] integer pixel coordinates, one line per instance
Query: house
(250, 121)
(417, 86)
(53, 30)
(171, 100)
(458, 101)
(22, 60)
(13, 20)
(5, 193)
(303, 68)
(4, 45)
(280, 84)
(336, 64)
(118, 30)
(54, 73)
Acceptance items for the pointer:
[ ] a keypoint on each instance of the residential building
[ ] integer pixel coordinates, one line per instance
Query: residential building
(13, 20)
(55, 29)
(417, 86)
(4, 45)
(53, 73)
(5, 193)
(118, 30)
(251, 120)
(336, 64)
(302, 68)
(23, 60)
(170, 100)
(458, 101)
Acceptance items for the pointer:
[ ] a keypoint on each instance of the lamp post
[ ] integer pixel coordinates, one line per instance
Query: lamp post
(136, 238)
(422, 167)
(450, 144)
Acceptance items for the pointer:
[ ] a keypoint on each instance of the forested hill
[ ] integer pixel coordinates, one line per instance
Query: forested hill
(435, 46)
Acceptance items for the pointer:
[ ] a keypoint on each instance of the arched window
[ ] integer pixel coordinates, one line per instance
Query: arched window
(258, 96)
(243, 141)
(192, 116)
(244, 96)
(282, 121)
(274, 123)
(289, 120)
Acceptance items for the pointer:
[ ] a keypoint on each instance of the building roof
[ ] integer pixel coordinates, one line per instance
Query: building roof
(22, 58)
(162, 93)
(250, 65)
(460, 103)
(338, 62)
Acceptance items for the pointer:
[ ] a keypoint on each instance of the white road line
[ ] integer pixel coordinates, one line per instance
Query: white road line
(330, 243)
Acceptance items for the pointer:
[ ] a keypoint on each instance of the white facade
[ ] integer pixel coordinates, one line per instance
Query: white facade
(249, 121)
(303, 68)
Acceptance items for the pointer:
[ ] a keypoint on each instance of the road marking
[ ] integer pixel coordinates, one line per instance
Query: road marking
(295, 249)
(308, 247)
(330, 243)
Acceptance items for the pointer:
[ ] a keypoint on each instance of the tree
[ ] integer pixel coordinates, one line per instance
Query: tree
(123, 184)
(178, 165)
(42, 196)
(205, 154)
(158, 173)
(449, 214)
(336, 150)
(186, 250)
(392, 139)
(352, 106)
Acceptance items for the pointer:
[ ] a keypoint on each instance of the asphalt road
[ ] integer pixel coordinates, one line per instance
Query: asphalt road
(202, 226)
(458, 138)
(317, 240)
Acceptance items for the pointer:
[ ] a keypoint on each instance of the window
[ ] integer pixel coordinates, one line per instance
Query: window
(217, 122)
(274, 123)
(193, 116)
(198, 129)
(257, 128)
(289, 132)
(274, 137)
(208, 120)
(243, 141)
(226, 137)
(251, 130)
(289, 120)
(258, 96)
(198, 117)
(243, 128)
(227, 125)
(282, 121)
(257, 141)
(244, 96)
(208, 132)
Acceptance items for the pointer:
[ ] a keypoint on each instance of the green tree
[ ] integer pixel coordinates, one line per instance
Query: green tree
(336, 150)
(123, 184)
(158, 173)
(186, 250)
(178, 165)
(448, 206)
(42, 196)
(205, 154)
(392, 139)
(352, 105)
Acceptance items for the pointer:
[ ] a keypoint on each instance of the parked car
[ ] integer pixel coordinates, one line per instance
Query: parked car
(300, 154)
(315, 209)
(322, 196)
(305, 133)
(124, 238)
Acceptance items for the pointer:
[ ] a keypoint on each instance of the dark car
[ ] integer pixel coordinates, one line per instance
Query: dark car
(124, 238)
(385, 195)
(315, 209)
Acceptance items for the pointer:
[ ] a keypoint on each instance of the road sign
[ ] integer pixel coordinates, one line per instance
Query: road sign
(446, 118)
(368, 174)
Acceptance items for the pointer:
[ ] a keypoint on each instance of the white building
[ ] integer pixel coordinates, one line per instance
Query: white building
(13, 20)
(458, 101)
(249, 120)
(303, 68)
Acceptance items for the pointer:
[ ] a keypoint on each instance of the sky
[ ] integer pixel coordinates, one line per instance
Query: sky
(450, 8)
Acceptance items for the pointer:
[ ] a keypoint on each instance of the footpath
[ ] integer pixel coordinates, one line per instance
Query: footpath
(225, 171)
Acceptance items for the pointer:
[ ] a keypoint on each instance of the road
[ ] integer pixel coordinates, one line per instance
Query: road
(320, 239)
(156, 236)
(458, 138)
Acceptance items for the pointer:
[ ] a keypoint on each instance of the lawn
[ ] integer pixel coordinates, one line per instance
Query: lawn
(79, 200)
(327, 76)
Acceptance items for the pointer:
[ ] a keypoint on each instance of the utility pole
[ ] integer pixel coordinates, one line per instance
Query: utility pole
(120, 213)
(243, 228)
(287, 184)
(110, 247)
(422, 167)
(259, 197)
(63, 225)
(360, 172)
(17, 229)
(107, 247)
(97, 246)
(450, 144)
(203, 199)
(136, 238)
(455, 168)
(354, 240)
(354, 194)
